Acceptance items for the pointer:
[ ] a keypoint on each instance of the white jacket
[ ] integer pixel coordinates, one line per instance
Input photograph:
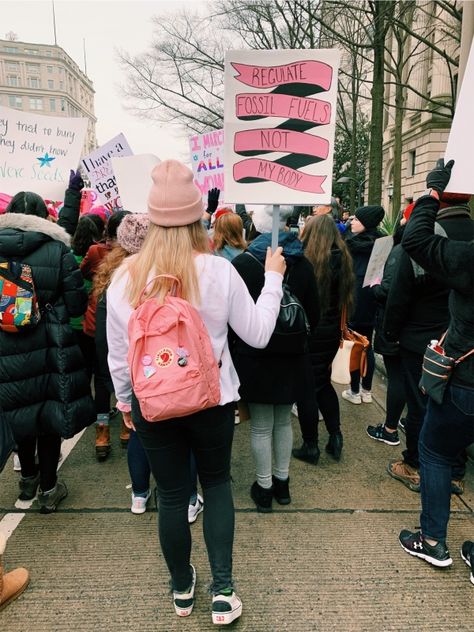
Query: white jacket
(224, 300)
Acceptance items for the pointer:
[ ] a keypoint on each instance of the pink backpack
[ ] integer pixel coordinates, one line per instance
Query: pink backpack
(173, 369)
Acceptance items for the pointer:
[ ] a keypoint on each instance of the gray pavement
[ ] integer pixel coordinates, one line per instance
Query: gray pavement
(329, 561)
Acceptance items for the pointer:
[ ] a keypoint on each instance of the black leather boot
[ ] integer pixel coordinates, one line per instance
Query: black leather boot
(262, 497)
(309, 452)
(281, 491)
(334, 446)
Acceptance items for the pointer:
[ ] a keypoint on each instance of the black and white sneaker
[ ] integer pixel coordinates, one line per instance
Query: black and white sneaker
(402, 424)
(467, 554)
(226, 607)
(380, 434)
(414, 544)
(184, 601)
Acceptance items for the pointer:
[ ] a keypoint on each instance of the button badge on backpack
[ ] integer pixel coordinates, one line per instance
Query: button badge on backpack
(182, 354)
(148, 371)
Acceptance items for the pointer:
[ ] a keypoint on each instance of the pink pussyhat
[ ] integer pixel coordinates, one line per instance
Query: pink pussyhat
(174, 199)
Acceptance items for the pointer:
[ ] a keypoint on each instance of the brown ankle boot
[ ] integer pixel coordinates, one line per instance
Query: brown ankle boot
(12, 584)
(124, 435)
(102, 441)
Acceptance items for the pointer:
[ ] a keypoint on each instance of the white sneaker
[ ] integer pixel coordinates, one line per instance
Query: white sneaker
(294, 410)
(226, 608)
(353, 398)
(366, 396)
(184, 601)
(139, 503)
(16, 463)
(195, 510)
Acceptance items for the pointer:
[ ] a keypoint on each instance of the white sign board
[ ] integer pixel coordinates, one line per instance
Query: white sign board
(133, 174)
(459, 146)
(37, 152)
(279, 122)
(378, 257)
(98, 168)
(207, 161)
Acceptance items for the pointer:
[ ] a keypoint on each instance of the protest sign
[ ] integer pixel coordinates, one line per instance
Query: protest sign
(459, 146)
(207, 161)
(378, 257)
(98, 168)
(37, 152)
(279, 137)
(134, 181)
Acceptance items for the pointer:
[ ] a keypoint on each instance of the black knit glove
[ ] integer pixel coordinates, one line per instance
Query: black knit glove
(75, 180)
(212, 200)
(438, 178)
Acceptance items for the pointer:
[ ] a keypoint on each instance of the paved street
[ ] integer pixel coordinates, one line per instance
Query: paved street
(329, 561)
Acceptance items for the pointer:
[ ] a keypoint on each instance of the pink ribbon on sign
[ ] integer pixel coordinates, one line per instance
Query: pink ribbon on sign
(256, 168)
(258, 140)
(254, 105)
(310, 72)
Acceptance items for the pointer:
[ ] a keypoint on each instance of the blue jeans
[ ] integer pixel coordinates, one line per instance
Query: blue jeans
(168, 445)
(447, 430)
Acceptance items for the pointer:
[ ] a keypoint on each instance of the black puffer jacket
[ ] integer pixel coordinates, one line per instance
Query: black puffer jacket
(268, 377)
(380, 292)
(43, 384)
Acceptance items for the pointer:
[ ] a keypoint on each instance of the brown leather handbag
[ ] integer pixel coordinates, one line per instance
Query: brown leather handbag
(358, 356)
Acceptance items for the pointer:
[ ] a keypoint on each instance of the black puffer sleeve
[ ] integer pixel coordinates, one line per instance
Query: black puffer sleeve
(73, 289)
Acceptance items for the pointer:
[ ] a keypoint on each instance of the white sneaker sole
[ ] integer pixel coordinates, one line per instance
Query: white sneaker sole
(468, 562)
(185, 612)
(427, 558)
(224, 618)
(352, 401)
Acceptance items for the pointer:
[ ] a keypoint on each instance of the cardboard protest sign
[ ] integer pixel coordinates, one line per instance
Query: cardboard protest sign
(459, 146)
(207, 161)
(378, 257)
(37, 152)
(98, 168)
(279, 123)
(134, 181)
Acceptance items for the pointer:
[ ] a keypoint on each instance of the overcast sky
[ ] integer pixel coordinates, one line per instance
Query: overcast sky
(106, 25)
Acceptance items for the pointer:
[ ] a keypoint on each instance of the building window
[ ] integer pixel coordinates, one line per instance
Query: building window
(12, 66)
(412, 162)
(52, 105)
(34, 82)
(13, 81)
(63, 105)
(33, 68)
(61, 85)
(48, 53)
(10, 49)
(15, 102)
(50, 84)
(36, 104)
(31, 51)
(50, 70)
(60, 70)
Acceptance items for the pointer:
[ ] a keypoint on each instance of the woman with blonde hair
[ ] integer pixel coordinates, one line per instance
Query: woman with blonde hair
(177, 245)
(228, 234)
(332, 266)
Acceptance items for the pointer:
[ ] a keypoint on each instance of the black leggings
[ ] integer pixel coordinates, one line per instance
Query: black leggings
(168, 446)
(366, 381)
(49, 448)
(326, 401)
(396, 398)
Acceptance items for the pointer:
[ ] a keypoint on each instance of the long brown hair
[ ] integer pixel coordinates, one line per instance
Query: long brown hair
(106, 268)
(167, 250)
(321, 236)
(229, 230)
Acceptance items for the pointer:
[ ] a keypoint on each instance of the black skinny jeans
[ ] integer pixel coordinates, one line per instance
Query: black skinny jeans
(49, 448)
(366, 381)
(396, 398)
(168, 445)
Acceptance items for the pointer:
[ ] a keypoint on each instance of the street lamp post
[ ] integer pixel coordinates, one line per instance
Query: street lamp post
(360, 185)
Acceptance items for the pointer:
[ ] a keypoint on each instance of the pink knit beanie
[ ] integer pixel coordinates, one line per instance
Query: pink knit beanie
(132, 231)
(174, 199)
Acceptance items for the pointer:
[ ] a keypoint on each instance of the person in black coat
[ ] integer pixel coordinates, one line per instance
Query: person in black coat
(44, 388)
(332, 266)
(360, 240)
(448, 427)
(270, 382)
(417, 312)
(387, 432)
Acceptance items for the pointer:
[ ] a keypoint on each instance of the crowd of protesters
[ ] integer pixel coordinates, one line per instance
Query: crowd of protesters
(90, 276)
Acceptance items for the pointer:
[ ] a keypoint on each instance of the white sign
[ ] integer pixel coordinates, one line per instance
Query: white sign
(134, 181)
(37, 152)
(460, 139)
(207, 161)
(98, 167)
(279, 122)
(378, 257)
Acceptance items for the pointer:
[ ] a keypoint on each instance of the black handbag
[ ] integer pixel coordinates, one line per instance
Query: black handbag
(7, 442)
(292, 329)
(437, 370)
